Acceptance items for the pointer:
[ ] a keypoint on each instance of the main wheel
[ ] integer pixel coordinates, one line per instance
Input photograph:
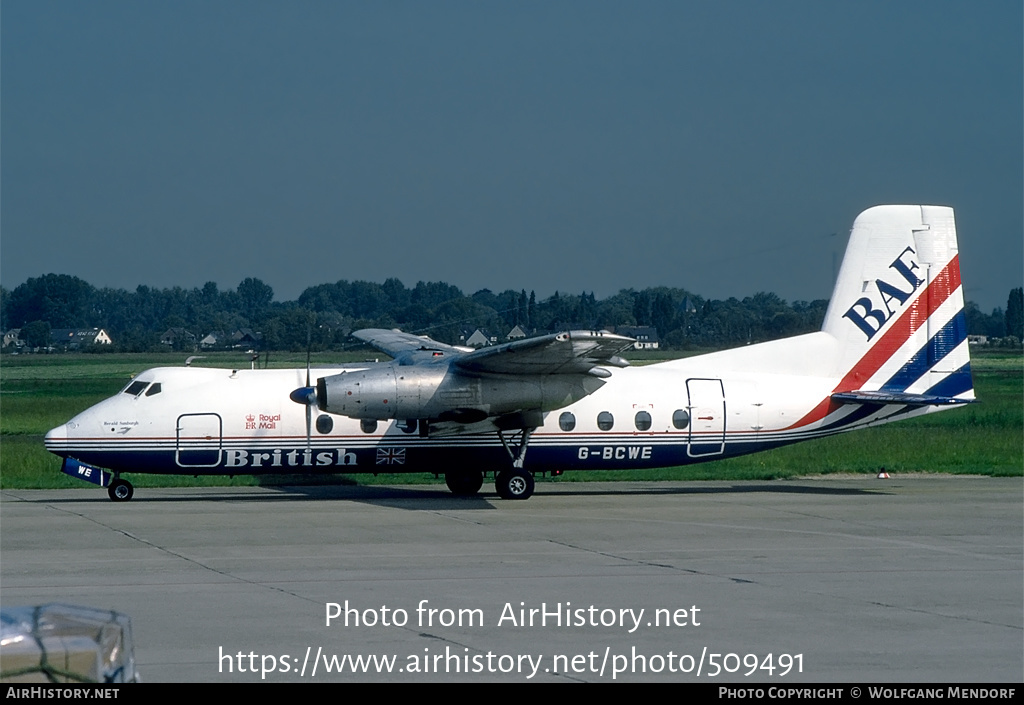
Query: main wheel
(464, 483)
(514, 484)
(120, 490)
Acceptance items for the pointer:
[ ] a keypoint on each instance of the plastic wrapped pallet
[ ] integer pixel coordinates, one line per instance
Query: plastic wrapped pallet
(59, 643)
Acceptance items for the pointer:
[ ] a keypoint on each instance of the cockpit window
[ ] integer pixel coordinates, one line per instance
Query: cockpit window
(135, 388)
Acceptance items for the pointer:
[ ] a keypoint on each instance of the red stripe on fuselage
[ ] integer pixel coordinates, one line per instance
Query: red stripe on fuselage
(915, 316)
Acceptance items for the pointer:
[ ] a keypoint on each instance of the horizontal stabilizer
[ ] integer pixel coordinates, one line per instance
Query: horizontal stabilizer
(897, 398)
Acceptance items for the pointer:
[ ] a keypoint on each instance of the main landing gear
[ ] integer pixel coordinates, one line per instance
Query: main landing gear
(511, 483)
(464, 483)
(515, 482)
(120, 490)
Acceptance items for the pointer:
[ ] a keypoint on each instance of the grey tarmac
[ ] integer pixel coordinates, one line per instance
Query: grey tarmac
(911, 579)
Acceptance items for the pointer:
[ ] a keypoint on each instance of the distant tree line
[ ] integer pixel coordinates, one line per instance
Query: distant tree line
(325, 314)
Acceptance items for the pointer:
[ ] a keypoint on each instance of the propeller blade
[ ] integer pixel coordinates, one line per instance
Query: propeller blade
(309, 348)
(309, 428)
(307, 397)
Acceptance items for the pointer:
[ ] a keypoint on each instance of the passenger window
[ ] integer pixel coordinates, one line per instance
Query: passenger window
(643, 421)
(153, 389)
(324, 423)
(680, 419)
(567, 421)
(368, 425)
(605, 421)
(407, 425)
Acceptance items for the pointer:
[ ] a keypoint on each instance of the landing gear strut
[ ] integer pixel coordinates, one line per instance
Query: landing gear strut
(120, 490)
(516, 482)
(464, 483)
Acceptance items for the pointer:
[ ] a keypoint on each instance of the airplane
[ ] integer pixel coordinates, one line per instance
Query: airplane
(893, 345)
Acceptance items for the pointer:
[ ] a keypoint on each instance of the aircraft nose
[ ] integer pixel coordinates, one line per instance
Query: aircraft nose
(56, 437)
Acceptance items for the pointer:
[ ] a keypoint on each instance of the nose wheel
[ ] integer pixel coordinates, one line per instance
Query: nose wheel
(120, 490)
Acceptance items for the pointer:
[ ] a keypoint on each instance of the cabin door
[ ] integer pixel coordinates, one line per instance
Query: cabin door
(707, 417)
(199, 440)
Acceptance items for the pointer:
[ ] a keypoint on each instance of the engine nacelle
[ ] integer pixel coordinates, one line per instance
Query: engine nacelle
(387, 392)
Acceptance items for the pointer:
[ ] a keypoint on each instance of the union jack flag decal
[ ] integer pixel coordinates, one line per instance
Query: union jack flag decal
(391, 456)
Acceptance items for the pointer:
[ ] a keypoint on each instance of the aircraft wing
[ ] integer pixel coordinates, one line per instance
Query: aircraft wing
(396, 343)
(573, 352)
(498, 388)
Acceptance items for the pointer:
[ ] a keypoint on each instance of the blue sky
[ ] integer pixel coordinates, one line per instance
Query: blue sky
(724, 147)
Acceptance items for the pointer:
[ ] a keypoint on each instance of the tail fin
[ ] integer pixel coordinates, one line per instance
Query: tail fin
(898, 309)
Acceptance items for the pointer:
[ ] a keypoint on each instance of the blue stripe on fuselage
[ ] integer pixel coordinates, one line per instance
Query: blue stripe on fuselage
(439, 459)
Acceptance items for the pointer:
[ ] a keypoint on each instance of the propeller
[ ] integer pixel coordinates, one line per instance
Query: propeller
(307, 395)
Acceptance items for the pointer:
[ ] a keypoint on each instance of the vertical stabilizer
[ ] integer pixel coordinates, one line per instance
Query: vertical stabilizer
(898, 309)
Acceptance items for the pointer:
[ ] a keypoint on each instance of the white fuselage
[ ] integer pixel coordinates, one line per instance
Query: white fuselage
(219, 421)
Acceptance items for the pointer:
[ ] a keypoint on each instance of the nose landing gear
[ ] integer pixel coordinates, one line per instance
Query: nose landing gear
(120, 490)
